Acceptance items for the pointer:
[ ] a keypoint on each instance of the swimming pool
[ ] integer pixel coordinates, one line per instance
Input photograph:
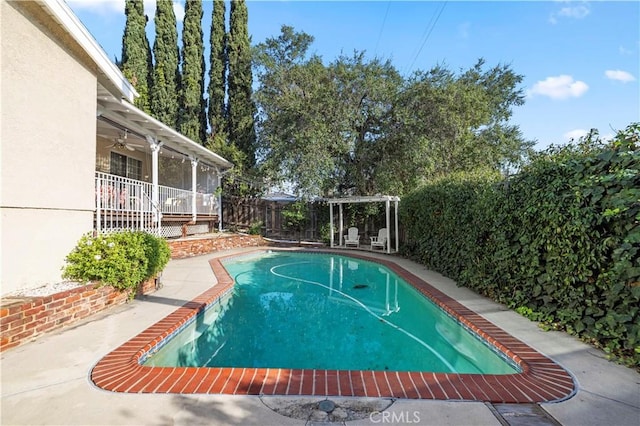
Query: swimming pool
(328, 312)
(540, 379)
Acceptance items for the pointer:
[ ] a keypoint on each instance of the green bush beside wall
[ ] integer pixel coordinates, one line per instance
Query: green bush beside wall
(122, 260)
(559, 241)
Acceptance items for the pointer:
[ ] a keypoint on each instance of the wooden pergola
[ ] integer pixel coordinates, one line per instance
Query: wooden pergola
(387, 199)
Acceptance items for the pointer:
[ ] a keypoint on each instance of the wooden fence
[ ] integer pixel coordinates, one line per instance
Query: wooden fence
(246, 213)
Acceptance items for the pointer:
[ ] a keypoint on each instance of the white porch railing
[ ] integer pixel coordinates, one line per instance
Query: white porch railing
(126, 204)
(180, 201)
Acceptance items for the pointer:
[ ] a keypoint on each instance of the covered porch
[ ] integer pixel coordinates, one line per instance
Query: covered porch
(149, 177)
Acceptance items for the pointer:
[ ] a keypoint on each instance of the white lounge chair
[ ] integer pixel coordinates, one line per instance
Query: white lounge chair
(380, 240)
(352, 238)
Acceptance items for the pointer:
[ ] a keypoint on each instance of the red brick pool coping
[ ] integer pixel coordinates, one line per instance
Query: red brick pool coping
(541, 379)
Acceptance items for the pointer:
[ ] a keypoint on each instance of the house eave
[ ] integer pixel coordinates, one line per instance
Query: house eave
(108, 73)
(136, 120)
(115, 94)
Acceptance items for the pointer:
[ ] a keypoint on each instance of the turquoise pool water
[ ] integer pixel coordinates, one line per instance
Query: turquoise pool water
(325, 311)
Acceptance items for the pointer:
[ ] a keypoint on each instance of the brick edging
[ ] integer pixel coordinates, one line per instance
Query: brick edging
(31, 317)
(190, 247)
(541, 379)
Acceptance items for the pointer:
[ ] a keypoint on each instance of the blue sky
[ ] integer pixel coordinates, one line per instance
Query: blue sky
(580, 60)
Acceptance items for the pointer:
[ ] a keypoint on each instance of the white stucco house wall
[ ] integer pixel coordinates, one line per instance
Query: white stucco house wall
(76, 156)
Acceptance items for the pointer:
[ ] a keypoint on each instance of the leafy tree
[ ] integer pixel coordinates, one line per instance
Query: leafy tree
(218, 144)
(366, 92)
(238, 183)
(321, 126)
(449, 123)
(295, 217)
(192, 118)
(241, 110)
(137, 64)
(297, 142)
(217, 70)
(232, 127)
(357, 127)
(166, 76)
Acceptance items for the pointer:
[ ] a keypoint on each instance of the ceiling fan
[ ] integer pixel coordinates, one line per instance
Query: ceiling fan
(121, 143)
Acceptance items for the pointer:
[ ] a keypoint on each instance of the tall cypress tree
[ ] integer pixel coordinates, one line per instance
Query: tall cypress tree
(217, 70)
(137, 64)
(241, 110)
(166, 71)
(192, 118)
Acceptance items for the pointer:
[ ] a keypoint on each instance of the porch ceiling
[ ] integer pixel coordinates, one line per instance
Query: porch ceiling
(140, 124)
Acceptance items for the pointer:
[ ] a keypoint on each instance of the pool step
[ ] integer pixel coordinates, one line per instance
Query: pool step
(522, 415)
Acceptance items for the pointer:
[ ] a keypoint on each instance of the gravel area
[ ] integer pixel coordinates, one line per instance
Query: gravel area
(45, 290)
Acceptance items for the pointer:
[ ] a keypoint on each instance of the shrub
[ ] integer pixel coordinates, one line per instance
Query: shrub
(294, 217)
(255, 228)
(122, 260)
(157, 252)
(447, 221)
(558, 242)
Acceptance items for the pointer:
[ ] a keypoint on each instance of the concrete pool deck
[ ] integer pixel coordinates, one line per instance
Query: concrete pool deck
(47, 381)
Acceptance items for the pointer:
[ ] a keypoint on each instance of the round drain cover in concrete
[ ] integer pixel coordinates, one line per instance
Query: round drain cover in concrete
(326, 406)
(316, 410)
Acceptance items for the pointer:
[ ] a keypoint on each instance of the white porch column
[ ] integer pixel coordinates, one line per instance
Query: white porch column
(98, 205)
(341, 226)
(219, 189)
(387, 205)
(397, 230)
(194, 184)
(331, 227)
(154, 145)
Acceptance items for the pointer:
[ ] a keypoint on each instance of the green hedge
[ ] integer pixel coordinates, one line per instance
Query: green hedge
(122, 260)
(558, 242)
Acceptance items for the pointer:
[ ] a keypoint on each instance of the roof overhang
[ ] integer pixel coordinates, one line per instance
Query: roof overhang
(109, 76)
(139, 122)
(115, 94)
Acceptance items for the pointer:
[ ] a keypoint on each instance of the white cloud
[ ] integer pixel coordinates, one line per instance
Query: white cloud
(619, 75)
(559, 87)
(178, 9)
(607, 136)
(579, 11)
(150, 8)
(575, 134)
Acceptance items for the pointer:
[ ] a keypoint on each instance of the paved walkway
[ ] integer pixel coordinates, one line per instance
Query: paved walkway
(46, 381)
